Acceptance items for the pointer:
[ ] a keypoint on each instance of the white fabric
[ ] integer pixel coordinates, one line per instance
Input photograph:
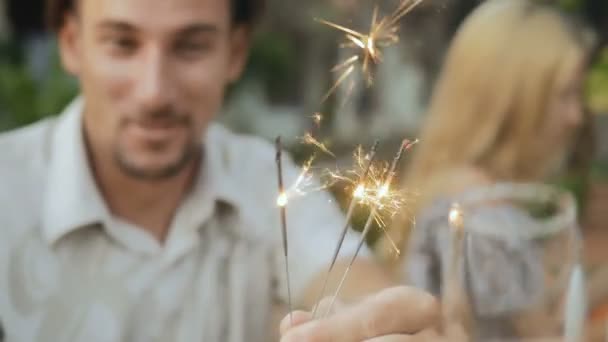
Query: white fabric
(70, 271)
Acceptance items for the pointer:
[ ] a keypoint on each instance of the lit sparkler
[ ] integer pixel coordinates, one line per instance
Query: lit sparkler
(452, 293)
(388, 204)
(381, 193)
(383, 33)
(282, 201)
(456, 219)
(358, 194)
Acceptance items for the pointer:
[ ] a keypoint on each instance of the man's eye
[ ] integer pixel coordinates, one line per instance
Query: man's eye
(122, 45)
(192, 48)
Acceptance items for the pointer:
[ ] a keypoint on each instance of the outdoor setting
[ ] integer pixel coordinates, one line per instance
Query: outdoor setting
(458, 148)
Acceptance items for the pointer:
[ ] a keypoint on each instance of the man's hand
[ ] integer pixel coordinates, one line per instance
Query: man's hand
(395, 314)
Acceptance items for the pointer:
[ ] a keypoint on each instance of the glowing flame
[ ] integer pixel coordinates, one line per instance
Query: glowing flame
(383, 191)
(359, 191)
(456, 217)
(282, 200)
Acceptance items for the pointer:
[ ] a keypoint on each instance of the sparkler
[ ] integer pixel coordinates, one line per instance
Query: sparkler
(358, 194)
(372, 186)
(383, 33)
(453, 295)
(382, 192)
(389, 204)
(282, 203)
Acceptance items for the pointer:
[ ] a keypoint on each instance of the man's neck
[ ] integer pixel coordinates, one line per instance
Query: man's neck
(148, 204)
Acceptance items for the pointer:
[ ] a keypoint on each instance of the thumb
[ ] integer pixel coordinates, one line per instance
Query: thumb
(294, 319)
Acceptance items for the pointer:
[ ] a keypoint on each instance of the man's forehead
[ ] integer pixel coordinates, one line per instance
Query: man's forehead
(158, 14)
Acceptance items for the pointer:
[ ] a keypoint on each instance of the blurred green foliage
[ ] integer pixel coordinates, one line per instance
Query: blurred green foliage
(600, 171)
(24, 100)
(597, 85)
(273, 62)
(571, 5)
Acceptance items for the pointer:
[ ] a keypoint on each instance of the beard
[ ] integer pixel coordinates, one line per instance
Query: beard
(188, 152)
(170, 170)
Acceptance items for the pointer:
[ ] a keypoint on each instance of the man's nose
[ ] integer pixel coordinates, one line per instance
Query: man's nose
(153, 84)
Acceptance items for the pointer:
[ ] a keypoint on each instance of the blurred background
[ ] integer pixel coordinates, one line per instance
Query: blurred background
(290, 72)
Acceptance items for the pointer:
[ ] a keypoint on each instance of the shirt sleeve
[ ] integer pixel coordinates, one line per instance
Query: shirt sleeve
(315, 222)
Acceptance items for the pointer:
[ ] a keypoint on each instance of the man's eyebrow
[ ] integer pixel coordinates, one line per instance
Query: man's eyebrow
(194, 29)
(116, 25)
(189, 30)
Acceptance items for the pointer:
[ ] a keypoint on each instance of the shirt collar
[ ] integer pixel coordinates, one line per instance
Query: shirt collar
(72, 199)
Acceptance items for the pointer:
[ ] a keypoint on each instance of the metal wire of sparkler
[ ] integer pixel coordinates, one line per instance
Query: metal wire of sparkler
(381, 192)
(370, 183)
(383, 33)
(388, 205)
(282, 203)
(358, 194)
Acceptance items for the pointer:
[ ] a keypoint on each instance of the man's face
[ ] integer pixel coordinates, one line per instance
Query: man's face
(153, 73)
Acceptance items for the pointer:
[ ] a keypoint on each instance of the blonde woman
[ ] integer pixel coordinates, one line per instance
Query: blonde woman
(505, 109)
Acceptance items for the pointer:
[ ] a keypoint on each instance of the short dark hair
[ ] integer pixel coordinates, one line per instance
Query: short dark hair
(243, 11)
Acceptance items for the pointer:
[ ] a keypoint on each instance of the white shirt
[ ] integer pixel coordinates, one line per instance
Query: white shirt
(70, 271)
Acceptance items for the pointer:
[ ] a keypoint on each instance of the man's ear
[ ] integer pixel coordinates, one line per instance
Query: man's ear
(240, 44)
(69, 41)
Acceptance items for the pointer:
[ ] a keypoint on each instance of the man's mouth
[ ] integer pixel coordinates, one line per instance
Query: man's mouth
(156, 129)
(159, 123)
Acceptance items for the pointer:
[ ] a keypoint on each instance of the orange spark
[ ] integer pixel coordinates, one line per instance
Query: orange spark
(383, 33)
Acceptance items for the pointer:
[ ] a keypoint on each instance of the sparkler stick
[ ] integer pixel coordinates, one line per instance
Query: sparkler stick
(454, 308)
(404, 8)
(390, 240)
(358, 193)
(282, 203)
(382, 192)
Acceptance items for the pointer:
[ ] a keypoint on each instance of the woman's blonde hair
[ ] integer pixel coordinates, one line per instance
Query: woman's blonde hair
(491, 99)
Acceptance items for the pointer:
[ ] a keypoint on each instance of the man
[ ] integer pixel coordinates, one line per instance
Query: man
(131, 217)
